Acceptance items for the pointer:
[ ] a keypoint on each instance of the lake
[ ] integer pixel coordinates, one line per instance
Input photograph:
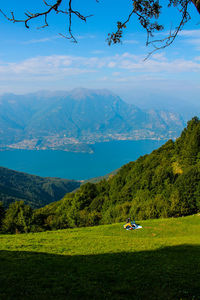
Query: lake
(106, 158)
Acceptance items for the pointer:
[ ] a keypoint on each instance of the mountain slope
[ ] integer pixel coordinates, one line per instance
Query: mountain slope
(33, 190)
(60, 120)
(162, 184)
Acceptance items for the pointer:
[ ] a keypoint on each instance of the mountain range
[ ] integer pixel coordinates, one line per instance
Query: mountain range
(74, 120)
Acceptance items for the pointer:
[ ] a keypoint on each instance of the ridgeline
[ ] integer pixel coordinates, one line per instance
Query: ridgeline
(165, 183)
(33, 190)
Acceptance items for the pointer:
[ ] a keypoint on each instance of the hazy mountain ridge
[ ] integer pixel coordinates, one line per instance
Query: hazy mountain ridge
(174, 103)
(73, 120)
(33, 190)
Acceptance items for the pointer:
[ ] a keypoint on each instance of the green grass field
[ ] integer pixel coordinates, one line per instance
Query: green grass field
(159, 261)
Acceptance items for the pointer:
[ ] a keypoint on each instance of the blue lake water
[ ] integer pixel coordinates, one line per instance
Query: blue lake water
(106, 158)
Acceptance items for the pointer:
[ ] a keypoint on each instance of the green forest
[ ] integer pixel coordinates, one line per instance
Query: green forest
(165, 183)
(34, 190)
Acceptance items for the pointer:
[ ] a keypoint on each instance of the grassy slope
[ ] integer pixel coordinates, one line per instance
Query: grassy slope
(160, 261)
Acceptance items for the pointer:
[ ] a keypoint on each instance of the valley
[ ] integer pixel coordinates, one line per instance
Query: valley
(33, 190)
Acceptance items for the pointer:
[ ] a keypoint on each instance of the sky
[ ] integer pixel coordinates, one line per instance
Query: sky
(40, 59)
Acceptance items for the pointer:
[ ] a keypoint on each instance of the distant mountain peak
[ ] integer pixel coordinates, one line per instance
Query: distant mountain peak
(61, 119)
(82, 93)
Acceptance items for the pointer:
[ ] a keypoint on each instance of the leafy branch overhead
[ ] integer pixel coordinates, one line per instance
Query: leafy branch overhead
(57, 8)
(146, 11)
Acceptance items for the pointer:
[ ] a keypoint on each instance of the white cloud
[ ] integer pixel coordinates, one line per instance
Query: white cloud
(131, 42)
(195, 42)
(96, 52)
(43, 40)
(86, 36)
(190, 33)
(68, 65)
(111, 64)
(115, 73)
(192, 37)
(83, 71)
(46, 68)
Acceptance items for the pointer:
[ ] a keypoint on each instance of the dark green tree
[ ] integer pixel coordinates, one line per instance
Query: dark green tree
(188, 145)
(18, 218)
(2, 214)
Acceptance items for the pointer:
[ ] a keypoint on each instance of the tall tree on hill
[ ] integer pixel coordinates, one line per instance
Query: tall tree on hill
(18, 218)
(2, 213)
(146, 11)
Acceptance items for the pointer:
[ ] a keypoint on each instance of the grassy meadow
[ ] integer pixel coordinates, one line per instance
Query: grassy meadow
(159, 261)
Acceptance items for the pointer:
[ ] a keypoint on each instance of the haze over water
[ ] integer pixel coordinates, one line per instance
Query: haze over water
(106, 158)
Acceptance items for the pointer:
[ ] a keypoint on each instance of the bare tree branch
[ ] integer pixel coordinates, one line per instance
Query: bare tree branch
(146, 11)
(54, 7)
(166, 42)
(31, 16)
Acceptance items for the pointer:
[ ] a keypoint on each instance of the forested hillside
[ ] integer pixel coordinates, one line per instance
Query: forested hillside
(163, 184)
(33, 190)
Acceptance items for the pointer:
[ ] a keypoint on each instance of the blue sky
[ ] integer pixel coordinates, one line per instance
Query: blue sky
(32, 60)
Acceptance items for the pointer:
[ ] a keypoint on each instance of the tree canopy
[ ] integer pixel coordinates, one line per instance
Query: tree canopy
(147, 12)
